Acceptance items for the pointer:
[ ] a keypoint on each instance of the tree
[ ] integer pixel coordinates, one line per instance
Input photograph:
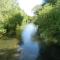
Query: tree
(48, 20)
(12, 23)
(53, 2)
(11, 15)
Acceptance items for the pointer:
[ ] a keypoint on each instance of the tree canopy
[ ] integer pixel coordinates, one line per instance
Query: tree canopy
(48, 20)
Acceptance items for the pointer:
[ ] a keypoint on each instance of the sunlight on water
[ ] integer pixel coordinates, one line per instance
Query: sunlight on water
(30, 48)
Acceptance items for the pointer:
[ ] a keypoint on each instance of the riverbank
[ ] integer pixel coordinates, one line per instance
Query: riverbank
(8, 48)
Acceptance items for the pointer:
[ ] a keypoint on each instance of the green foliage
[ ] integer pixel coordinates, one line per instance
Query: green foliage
(53, 2)
(12, 23)
(48, 20)
(2, 30)
(10, 16)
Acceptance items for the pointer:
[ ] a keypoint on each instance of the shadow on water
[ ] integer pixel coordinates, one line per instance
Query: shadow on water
(8, 54)
(32, 50)
(52, 52)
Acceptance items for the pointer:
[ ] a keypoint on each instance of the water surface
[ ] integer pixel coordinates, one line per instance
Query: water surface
(30, 48)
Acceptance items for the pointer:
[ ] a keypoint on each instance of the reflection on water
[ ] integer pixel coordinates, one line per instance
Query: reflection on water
(30, 48)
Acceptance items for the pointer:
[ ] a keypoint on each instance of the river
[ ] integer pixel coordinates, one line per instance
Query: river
(30, 48)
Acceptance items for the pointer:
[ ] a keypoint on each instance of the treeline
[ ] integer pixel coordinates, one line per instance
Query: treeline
(11, 17)
(48, 20)
(47, 17)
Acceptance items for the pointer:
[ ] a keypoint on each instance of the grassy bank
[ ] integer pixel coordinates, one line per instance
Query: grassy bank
(8, 48)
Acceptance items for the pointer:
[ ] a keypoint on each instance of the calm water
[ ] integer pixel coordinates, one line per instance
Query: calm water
(30, 48)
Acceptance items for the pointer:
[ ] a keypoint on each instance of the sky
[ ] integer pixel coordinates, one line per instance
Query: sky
(28, 5)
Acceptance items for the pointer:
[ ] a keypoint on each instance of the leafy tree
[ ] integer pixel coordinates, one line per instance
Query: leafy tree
(11, 15)
(12, 23)
(48, 20)
(53, 2)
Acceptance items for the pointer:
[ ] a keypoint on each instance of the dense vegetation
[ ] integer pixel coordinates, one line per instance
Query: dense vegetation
(48, 20)
(47, 17)
(13, 20)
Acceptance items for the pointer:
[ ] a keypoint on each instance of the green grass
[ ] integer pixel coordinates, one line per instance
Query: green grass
(8, 48)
